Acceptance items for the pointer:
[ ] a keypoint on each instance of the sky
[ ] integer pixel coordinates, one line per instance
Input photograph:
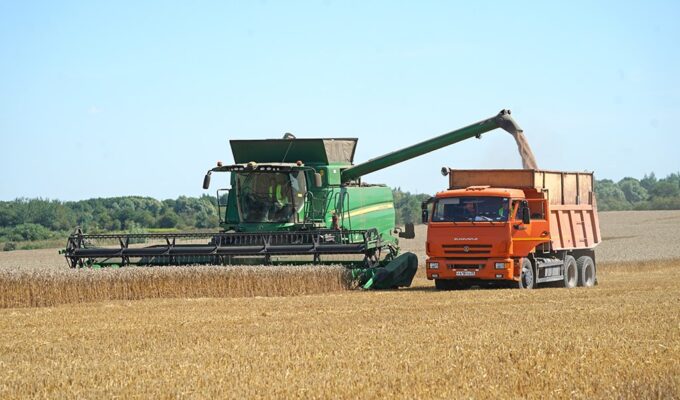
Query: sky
(101, 99)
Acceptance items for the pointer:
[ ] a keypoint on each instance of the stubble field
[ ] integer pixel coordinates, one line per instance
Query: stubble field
(620, 339)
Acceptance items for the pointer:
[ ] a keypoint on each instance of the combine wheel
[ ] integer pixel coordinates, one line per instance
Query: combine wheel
(527, 280)
(570, 272)
(586, 271)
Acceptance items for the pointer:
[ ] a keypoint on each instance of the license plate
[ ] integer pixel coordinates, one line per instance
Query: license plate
(466, 273)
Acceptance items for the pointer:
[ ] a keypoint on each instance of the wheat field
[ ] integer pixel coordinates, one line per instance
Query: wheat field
(620, 339)
(49, 287)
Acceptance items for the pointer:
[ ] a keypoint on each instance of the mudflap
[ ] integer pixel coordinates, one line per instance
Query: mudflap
(397, 273)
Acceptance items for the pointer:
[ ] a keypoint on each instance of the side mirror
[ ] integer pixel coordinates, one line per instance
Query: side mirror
(409, 231)
(526, 216)
(317, 180)
(206, 181)
(425, 216)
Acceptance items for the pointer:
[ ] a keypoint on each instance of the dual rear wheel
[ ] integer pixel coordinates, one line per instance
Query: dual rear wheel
(586, 271)
(570, 272)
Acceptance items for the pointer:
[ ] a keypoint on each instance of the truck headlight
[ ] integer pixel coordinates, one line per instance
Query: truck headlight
(500, 265)
(434, 265)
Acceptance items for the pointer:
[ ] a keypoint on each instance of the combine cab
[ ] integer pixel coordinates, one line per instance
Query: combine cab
(290, 201)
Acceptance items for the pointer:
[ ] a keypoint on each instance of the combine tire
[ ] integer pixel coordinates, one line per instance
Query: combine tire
(570, 272)
(586, 271)
(527, 279)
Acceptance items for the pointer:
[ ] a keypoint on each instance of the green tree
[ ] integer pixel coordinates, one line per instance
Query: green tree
(29, 232)
(665, 189)
(407, 206)
(648, 181)
(168, 219)
(610, 196)
(8, 214)
(633, 190)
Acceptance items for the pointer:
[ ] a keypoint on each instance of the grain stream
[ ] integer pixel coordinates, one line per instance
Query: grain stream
(528, 159)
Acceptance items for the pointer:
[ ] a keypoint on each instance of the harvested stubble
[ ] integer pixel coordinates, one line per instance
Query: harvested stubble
(619, 339)
(38, 288)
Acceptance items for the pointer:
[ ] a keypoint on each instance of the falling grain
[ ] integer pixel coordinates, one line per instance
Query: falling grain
(528, 160)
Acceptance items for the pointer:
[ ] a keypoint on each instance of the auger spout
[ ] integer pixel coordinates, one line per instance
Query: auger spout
(502, 120)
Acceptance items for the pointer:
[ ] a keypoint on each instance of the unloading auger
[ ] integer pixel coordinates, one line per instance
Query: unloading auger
(290, 201)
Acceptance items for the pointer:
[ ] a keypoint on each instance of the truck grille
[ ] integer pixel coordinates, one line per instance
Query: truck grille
(465, 266)
(474, 250)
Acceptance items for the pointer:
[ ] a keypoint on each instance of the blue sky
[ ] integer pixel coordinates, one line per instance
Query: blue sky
(140, 98)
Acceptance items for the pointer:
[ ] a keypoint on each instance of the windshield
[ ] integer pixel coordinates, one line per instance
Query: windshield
(270, 196)
(471, 209)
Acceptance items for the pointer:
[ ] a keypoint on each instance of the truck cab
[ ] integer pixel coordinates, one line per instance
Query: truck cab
(477, 233)
(493, 233)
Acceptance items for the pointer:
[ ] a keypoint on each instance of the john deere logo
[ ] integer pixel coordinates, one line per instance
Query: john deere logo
(466, 249)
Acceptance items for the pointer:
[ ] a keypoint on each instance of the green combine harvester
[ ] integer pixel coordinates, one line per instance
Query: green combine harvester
(290, 201)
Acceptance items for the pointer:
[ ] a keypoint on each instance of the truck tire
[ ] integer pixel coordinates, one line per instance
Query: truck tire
(527, 278)
(586, 271)
(570, 272)
(444, 284)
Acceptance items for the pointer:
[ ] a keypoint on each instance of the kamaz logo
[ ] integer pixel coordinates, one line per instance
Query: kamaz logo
(465, 238)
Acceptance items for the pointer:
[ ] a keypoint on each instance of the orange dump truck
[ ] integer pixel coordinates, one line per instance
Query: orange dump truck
(519, 227)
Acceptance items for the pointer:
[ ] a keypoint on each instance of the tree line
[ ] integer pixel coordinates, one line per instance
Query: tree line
(648, 193)
(40, 219)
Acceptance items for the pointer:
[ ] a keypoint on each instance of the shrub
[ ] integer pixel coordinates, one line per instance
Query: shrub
(29, 232)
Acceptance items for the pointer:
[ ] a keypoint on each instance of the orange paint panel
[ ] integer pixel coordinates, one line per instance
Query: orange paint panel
(575, 228)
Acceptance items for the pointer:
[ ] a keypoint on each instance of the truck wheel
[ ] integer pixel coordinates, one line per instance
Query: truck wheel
(570, 272)
(527, 280)
(444, 284)
(586, 271)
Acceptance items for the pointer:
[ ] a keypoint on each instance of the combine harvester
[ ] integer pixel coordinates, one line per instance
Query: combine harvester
(289, 198)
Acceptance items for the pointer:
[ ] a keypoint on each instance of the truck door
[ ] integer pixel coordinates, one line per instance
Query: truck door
(528, 229)
(522, 242)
